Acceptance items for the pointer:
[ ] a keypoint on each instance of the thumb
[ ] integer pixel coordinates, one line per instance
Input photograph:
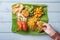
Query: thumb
(44, 27)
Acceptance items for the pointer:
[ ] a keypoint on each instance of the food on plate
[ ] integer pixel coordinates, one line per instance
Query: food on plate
(25, 13)
(29, 9)
(17, 8)
(32, 22)
(39, 24)
(38, 11)
(19, 23)
(22, 25)
(21, 17)
(28, 18)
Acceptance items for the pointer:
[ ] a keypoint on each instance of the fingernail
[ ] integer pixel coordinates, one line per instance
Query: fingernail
(45, 26)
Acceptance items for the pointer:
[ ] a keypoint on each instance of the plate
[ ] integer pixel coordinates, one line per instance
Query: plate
(30, 7)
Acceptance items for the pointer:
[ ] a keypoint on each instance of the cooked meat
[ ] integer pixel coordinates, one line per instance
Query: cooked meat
(25, 13)
(17, 8)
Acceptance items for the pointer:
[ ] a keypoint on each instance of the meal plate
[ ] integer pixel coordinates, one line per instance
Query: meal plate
(32, 11)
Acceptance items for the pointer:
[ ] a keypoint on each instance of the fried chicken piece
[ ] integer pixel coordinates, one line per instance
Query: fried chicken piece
(25, 13)
(39, 28)
(17, 8)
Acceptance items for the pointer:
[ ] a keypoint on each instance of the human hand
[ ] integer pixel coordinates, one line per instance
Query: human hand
(51, 32)
(48, 29)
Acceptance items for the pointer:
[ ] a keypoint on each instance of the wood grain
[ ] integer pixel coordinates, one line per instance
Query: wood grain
(6, 19)
(13, 36)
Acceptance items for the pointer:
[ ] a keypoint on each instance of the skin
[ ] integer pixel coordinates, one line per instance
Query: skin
(51, 32)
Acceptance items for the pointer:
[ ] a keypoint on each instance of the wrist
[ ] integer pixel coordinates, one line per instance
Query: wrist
(56, 35)
(50, 32)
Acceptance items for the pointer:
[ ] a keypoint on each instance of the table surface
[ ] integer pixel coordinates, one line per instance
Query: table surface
(6, 19)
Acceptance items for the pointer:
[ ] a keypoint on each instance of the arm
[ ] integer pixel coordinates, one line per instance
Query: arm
(56, 36)
(51, 32)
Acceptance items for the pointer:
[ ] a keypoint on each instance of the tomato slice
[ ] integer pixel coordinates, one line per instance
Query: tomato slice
(19, 23)
(24, 26)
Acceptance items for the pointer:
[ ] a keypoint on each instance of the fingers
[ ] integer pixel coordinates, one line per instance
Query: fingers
(48, 29)
(45, 26)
